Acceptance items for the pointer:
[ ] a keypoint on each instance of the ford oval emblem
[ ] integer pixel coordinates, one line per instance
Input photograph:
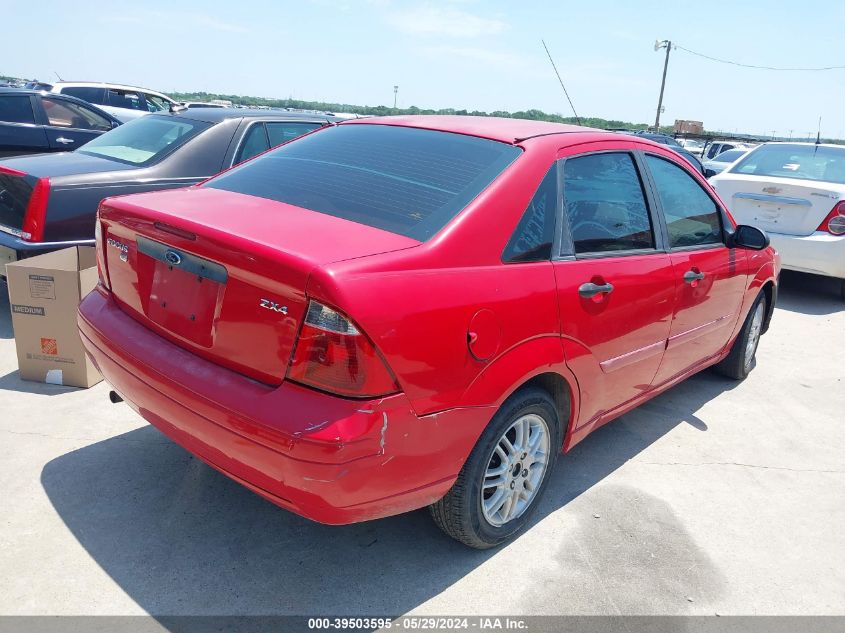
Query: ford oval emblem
(173, 258)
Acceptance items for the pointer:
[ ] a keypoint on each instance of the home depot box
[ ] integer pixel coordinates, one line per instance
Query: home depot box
(44, 292)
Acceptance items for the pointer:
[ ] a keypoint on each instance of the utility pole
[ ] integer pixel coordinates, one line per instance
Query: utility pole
(773, 135)
(395, 95)
(657, 46)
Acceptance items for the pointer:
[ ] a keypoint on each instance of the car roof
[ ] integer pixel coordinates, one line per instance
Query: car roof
(215, 115)
(105, 84)
(495, 128)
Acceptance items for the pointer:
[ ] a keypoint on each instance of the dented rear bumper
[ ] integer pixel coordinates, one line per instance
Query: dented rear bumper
(330, 459)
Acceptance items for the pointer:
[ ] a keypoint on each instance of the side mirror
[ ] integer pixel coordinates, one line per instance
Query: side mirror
(751, 237)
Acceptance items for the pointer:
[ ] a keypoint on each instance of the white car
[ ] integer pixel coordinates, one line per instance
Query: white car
(712, 150)
(692, 145)
(123, 102)
(722, 161)
(796, 193)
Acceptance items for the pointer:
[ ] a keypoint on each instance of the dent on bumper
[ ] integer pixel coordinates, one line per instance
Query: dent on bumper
(330, 459)
(818, 253)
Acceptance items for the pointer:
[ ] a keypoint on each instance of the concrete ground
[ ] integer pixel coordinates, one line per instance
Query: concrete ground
(716, 497)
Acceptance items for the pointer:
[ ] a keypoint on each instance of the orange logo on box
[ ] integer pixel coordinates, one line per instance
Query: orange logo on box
(49, 346)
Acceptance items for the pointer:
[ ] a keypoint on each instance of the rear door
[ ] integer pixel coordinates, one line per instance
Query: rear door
(70, 124)
(709, 277)
(615, 283)
(20, 132)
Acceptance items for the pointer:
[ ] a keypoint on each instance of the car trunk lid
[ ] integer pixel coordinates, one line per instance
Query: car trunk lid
(224, 274)
(777, 205)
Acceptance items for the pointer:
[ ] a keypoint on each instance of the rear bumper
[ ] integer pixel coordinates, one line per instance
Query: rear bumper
(13, 248)
(329, 459)
(819, 253)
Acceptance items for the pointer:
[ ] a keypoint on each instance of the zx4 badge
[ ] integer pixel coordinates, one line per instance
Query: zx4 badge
(272, 305)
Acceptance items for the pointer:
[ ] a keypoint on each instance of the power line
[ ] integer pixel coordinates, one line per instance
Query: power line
(577, 118)
(732, 63)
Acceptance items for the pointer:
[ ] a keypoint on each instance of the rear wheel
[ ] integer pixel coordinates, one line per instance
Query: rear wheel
(505, 475)
(741, 359)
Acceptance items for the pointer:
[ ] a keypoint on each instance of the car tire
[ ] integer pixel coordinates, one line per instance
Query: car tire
(842, 289)
(742, 357)
(468, 511)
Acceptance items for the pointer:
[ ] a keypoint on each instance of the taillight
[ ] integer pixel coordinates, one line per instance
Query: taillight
(834, 223)
(101, 252)
(36, 212)
(333, 355)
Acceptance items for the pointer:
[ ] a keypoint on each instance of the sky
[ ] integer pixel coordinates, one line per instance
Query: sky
(464, 54)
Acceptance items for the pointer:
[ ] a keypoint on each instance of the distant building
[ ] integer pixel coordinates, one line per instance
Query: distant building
(688, 127)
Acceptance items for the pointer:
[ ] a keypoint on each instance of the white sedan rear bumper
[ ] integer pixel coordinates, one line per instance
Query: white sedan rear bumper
(819, 253)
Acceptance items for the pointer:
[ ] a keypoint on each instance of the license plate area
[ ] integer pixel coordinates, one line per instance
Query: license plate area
(185, 291)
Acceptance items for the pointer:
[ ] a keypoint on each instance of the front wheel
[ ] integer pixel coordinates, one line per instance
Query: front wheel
(742, 357)
(505, 475)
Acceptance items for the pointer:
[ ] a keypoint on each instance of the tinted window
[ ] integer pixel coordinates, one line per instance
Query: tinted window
(64, 113)
(533, 237)
(808, 162)
(128, 99)
(692, 218)
(96, 96)
(144, 140)
(283, 132)
(15, 109)
(730, 156)
(254, 142)
(605, 204)
(405, 180)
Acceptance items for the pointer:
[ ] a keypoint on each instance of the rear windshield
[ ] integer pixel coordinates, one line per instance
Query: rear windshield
(144, 140)
(806, 162)
(403, 180)
(730, 156)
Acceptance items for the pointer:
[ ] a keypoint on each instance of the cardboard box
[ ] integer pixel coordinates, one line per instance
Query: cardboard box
(44, 292)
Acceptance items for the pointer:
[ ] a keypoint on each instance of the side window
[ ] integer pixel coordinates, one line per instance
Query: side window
(128, 99)
(156, 104)
(63, 113)
(97, 96)
(605, 204)
(283, 132)
(16, 109)
(533, 237)
(692, 218)
(253, 144)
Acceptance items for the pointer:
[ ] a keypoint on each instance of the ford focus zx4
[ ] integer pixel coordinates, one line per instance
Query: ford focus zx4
(394, 313)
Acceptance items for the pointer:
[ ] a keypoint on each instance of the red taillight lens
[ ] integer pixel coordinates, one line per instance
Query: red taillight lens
(36, 212)
(101, 252)
(333, 355)
(834, 223)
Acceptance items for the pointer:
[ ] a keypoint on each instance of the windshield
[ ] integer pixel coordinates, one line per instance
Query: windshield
(805, 162)
(144, 140)
(730, 156)
(404, 180)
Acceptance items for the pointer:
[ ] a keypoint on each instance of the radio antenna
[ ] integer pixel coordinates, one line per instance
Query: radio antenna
(577, 118)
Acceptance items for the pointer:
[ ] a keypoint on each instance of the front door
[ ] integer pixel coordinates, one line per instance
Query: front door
(709, 277)
(615, 283)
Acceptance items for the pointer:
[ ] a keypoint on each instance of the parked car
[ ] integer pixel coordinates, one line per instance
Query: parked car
(693, 146)
(33, 122)
(712, 150)
(675, 146)
(201, 104)
(50, 201)
(718, 164)
(403, 312)
(124, 102)
(796, 193)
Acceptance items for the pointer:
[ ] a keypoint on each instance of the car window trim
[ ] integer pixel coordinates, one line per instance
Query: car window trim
(724, 222)
(556, 232)
(231, 163)
(566, 247)
(242, 140)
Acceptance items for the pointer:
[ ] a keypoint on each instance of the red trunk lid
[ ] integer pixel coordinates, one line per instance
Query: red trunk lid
(224, 274)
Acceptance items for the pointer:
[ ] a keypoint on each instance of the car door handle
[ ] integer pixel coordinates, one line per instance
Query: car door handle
(590, 290)
(691, 276)
(63, 140)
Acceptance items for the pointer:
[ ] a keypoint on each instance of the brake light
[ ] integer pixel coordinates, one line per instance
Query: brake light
(101, 252)
(834, 223)
(333, 355)
(36, 212)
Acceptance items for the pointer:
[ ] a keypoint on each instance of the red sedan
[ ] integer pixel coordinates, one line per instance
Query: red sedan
(421, 311)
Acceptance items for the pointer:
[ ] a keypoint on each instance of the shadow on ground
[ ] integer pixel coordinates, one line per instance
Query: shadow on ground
(5, 312)
(809, 294)
(180, 538)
